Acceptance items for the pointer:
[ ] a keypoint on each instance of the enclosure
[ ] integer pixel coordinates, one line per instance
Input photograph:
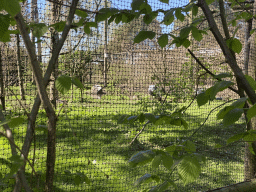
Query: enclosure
(116, 74)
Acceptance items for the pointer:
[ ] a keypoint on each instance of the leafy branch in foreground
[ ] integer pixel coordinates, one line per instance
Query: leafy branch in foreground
(230, 114)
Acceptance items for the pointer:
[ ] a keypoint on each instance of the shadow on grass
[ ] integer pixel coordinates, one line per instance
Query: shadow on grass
(82, 139)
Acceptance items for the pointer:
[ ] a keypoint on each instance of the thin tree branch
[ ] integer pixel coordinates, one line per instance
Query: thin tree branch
(223, 19)
(189, 138)
(12, 143)
(207, 70)
(137, 135)
(10, 138)
(65, 5)
(241, 80)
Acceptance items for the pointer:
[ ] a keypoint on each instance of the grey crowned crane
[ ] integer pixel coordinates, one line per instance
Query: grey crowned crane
(98, 90)
(155, 92)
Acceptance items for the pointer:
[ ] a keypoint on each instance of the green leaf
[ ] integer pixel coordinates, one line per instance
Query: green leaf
(209, 2)
(11, 6)
(184, 123)
(122, 119)
(251, 112)
(165, 1)
(59, 26)
(251, 81)
(188, 7)
(5, 23)
(132, 119)
(176, 121)
(145, 8)
(236, 137)
(144, 179)
(111, 19)
(232, 116)
(251, 149)
(77, 83)
(136, 4)
(219, 86)
(127, 17)
(5, 37)
(87, 30)
(196, 34)
(184, 32)
(141, 158)
(147, 18)
(105, 13)
(39, 29)
(222, 75)
(179, 15)
(234, 23)
(237, 104)
(252, 31)
(235, 45)
(190, 146)
(221, 114)
(63, 84)
(163, 40)
(4, 122)
(81, 13)
(141, 117)
(87, 26)
(14, 122)
(16, 162)
(156, 161)
(185, 43)
(189, 169)
(171, 149)
(118, 18)
(167, 161)
(202, 98)
(194, 10)
(217, 146)
(87, 180)
(250, 137)
(78, 179)
(169, 17)
(144, 35)
(150, 117)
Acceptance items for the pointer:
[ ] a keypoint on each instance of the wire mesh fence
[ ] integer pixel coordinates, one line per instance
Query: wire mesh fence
(119, 78)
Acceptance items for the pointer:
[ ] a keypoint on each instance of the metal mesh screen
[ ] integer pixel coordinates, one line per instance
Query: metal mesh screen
(89, 140)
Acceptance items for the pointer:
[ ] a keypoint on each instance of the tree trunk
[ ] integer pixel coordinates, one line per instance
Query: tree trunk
(19, 69)
(249, 67)
(35, 65)
(2, 91)
(34, 111)
(54, 40)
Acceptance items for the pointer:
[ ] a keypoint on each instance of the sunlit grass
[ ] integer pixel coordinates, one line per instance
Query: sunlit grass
(90, 141)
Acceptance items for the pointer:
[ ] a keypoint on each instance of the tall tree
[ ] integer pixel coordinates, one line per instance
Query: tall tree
(55, 17)
(19, 69)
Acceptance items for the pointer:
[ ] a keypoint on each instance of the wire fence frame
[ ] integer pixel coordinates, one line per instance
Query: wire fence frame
(90, 142)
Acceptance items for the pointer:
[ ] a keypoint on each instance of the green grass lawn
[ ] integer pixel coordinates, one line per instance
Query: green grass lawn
(90, 142)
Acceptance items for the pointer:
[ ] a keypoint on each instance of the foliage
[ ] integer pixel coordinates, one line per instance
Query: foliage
(229, 116)
(181, 158)
(78, 65)
(122, 39)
